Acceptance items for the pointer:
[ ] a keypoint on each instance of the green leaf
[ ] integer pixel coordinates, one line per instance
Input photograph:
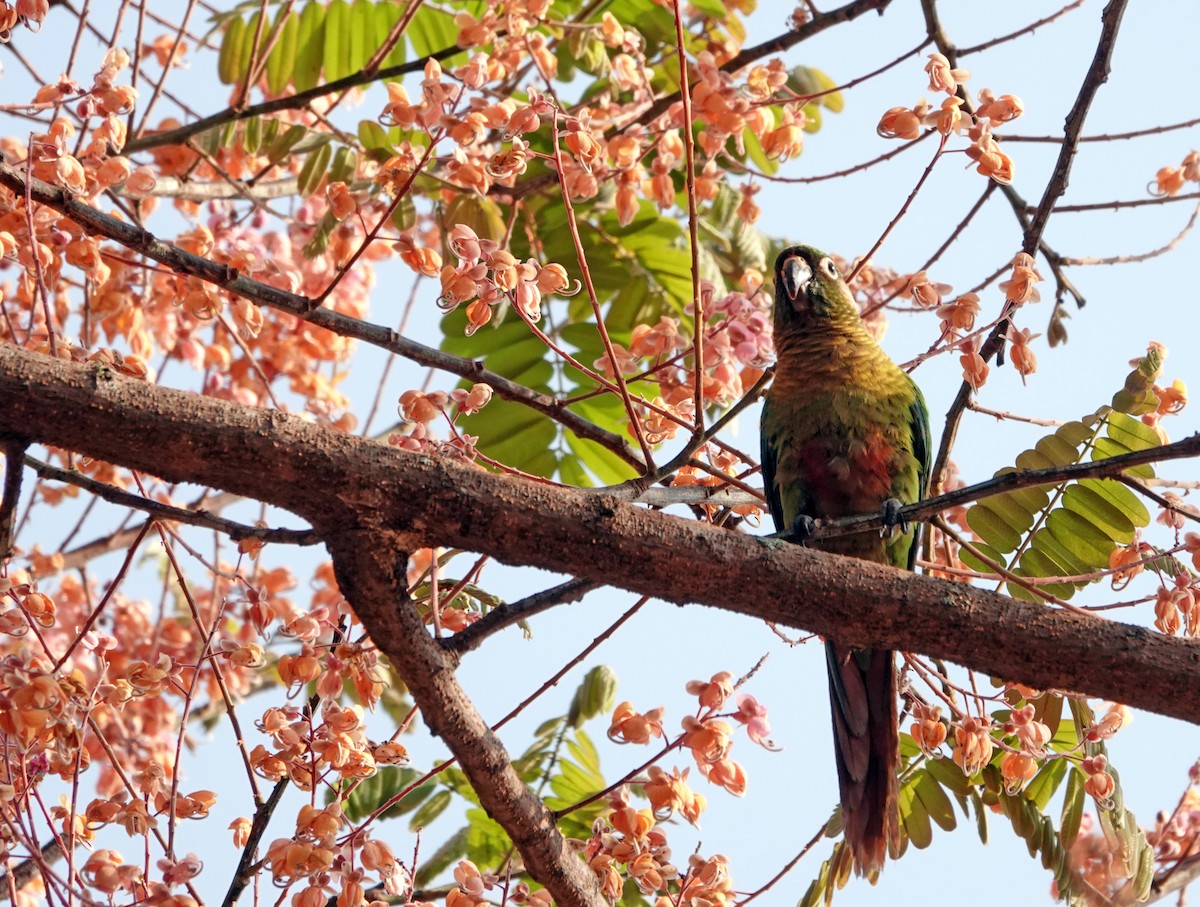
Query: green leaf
(981, 814)
(252, 134)
(754, 151)
(430, 810)
(344, 166)
(992, 527)
(229, 60)
(1045, 542)
(1047, 709)
(1057, 450)
(582, 748)
(1072, 810)
(976, 564)
(282, 61)
(1132, 433)
(1075, 433)
(247, 47)
(1045, 783)
(1094, 508)
(386, 17)
(371, 793)
(480, 214)
(815, 895)
(1009, 509)
(714, 11)
(1106, 447)
(606, 466)
(319, 241)
(432, 30)
(361, 32)
(487, 842)
(1031, 459)
(914, 818)
(310, 46)
(313, 170)
(336, 61)
(376, 141)
(1138, 396)
(935, 801)
(949, 775)
(1121, 498)
(655, 24)
(1036, 563)
(596, 695)
(283, 145)
(1080, 537)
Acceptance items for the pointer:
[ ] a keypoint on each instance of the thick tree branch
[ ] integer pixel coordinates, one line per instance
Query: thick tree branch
(14, 452)
(370, 567)
(344, 483)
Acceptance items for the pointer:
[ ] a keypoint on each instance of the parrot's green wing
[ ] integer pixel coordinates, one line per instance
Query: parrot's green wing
(922, 441)
(769, 441)
(770, 489)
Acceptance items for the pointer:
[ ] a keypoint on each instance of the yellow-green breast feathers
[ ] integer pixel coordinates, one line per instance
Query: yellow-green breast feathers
(843, 428)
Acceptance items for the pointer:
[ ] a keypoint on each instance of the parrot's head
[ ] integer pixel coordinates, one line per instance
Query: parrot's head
(809, 289)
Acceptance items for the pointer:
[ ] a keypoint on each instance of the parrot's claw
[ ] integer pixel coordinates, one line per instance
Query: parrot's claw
(802, 528)
(889, 514)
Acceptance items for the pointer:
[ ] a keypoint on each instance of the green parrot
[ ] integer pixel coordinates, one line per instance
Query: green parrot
(845, 432)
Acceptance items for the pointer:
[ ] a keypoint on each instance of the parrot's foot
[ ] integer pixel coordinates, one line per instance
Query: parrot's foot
(802, 529)
(889, 514)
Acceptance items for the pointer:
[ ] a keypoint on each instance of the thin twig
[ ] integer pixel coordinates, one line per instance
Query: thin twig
(236, 531)
(506, 615)
(291, 102)
(303, 307)
(1109, 467)
(1096, 75)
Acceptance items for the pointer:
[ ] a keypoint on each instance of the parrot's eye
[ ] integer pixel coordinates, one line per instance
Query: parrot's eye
(829, 267)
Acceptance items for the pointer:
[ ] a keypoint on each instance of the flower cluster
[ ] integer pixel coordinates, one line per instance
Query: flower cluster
(1020, 288)
(706, 735)
(1176, 835)
(487, 275)
(127, 684)
(17, 12)
(626, 843)
(950, 119)
(305, 750)
(1177, 606)
(316, 858)
(1096, 858)
(738, 345)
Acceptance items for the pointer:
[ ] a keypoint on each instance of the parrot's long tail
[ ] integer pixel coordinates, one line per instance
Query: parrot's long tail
(866, 742)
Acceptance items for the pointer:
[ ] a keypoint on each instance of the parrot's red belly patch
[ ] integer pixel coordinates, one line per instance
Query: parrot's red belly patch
(851, 477)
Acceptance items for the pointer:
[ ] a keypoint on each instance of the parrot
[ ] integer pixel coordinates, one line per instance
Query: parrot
(845, 432)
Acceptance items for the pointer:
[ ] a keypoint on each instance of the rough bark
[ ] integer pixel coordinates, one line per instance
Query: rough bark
(340, 483)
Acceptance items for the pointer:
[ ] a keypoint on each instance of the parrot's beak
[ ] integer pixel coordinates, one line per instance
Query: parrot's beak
(794, 276)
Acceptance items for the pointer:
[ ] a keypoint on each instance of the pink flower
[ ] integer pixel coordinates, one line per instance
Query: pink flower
(753, 714)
